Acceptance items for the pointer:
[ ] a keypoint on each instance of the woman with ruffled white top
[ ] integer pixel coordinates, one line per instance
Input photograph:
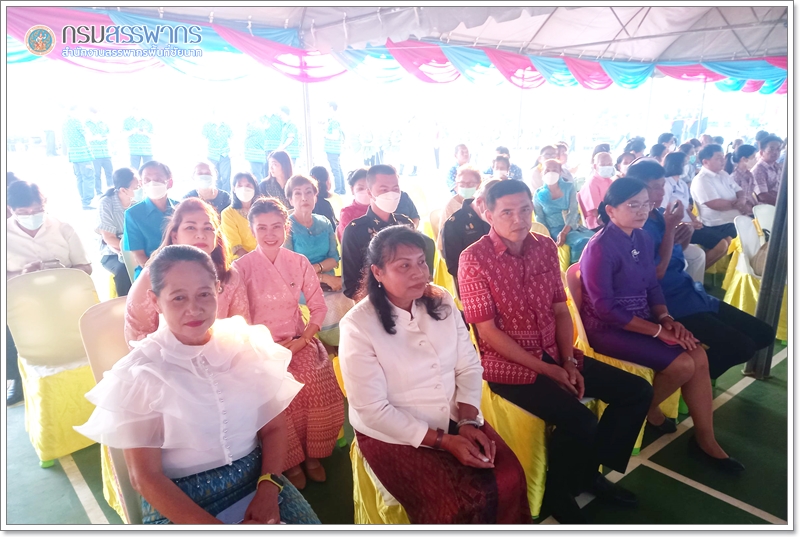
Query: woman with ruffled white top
(197, 406)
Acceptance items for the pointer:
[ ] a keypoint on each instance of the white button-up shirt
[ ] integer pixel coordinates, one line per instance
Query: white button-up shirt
(708, 186)
(54, 240)
(398, 386)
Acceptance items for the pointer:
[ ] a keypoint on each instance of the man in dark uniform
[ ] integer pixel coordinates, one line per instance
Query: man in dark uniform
(464, 227)
(384, 190)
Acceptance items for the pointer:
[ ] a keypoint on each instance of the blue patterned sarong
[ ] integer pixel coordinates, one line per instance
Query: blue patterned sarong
(216, 490)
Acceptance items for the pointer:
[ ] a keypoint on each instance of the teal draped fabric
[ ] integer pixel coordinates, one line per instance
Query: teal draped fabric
(628, 75)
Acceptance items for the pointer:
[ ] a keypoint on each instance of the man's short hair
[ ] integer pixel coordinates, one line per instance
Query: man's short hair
(760, 135)
(459, 146)
(505, 188)
(501, 158)
(379, 169)
(665, 137)
(719, 140)
(646, 170)
(708, 151)
(503, 150)
(546, 147)
(766, 140)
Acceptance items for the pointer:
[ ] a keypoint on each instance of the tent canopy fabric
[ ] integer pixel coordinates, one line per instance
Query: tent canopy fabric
(629, 33)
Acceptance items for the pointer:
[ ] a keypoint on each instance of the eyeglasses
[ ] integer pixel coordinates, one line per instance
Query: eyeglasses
(640, 207)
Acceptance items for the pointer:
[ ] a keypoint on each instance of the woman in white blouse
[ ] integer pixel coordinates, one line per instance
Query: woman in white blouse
(195, 404)
(413, 382)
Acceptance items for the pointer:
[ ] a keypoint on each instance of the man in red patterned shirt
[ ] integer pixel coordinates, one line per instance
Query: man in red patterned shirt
(511, 289)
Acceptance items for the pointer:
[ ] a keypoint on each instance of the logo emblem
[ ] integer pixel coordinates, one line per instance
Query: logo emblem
(40, 40)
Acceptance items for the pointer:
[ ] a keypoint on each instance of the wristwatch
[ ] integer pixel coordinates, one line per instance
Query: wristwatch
(572, 360)
(275, 479)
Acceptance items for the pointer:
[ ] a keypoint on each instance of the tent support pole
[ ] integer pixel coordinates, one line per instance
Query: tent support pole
(307, 125)
(773, 282)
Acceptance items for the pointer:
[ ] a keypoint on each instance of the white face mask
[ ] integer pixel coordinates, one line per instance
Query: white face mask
(363, 197)
(244, 193)
(467, 193)
(388, 201)
(605, 171)
(204, 181)
(155, 190)
(31, 222)
(550, 178)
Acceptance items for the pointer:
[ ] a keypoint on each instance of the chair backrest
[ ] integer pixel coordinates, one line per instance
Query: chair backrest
(102, 331)
(130, 262)
(765, 214)
(44, 309)
(541, 229)
(748, 236)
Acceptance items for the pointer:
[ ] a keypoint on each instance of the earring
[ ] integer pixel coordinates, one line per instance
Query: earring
(379, 285)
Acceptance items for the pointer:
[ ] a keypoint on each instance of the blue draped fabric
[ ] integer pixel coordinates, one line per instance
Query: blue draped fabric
(730, 84)
(554, 70)
(771, 86)
(628, 75)
(747, 69)
(473, 64)
(16, 52)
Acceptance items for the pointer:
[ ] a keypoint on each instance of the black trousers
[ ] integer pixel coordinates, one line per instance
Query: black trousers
(580, 443)
(12, 367)
(732, 336)
(116, 267)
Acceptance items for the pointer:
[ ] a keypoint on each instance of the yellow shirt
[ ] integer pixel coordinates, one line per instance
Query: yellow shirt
(236, 230)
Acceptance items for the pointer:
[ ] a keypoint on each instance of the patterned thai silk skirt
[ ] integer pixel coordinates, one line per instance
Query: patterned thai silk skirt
(216, 490)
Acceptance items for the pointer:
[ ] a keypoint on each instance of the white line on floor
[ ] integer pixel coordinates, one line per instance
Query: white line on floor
(87, 499)
(685, 425)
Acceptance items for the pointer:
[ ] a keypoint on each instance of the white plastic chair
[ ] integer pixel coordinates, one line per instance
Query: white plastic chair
(748, 235)
(130, 263)
(765, 214)
(102, 331)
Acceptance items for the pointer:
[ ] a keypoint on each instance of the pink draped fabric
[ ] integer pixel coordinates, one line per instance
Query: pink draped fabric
(784, 88)
(589, 74)
(426, 61)
(778, 61)
(21, 19)
(295, 63)
(516, 68)
(694, 72)
(752, 86)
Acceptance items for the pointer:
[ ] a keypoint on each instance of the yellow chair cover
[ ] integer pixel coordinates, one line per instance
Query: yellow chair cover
(735, 250)
(110, 485)
(338, 370)
(372, 503)
(564, 254)
(742, 293)
(53, 405)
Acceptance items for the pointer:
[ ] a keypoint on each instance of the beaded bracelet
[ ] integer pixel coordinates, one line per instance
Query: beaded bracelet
(463, 422)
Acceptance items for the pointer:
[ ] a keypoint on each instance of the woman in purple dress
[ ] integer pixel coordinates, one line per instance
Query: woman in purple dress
(626, 317)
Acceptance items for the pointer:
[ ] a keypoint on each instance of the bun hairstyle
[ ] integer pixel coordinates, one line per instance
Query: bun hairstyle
(382, 249)
(743, 151)
(618, 193)
(635, 145)
(169, 256)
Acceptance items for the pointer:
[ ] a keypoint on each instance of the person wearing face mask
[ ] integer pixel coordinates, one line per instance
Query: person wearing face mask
(740, 165)
(548, 152)
(35, 240)
(623, 162)
(384, 190)
(551, 203)
(667, 139)
(675, 189)
(194, 223)
(465, 227)
(514, 172)
(595, 188)
(235, 227)
(205, 182)
(126, 191)
(468, 180)
(500, 168)
(145, 221)
(357, 180)
(689, 167)
(767, 172)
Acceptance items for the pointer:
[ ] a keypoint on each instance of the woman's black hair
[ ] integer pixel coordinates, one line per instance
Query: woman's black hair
(622, 157)
(236, 203)
(381, 250)
(686, 147)
(356, 176)
(743, 151)
(666, 137)
(618, 193)
(658, 150)
(121, 178)
(320, 173)
(673, 164)
(284, 160)
(23, 194)
(635, 145)
(168, 256)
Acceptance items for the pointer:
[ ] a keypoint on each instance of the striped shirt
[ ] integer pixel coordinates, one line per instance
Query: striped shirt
(255, 143)
(334, 146)
(111, 218)
(139, 142)
(290, 131)
(217, 135)
(99, 147)
(75, 138)
(274, 130)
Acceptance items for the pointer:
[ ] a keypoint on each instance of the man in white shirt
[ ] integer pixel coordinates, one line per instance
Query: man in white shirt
(719, 199)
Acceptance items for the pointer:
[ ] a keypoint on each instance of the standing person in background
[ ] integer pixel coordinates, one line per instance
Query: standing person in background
(126, 191)
(462, 157)
(280, 170)
(98, 143)
(323, 207)
(235, 227)
(334, 136)
(274, 128)
(140, 131)
(217, 134)
(80, 156)
(290, 142)
(548, 152)
(145, 221)
(204, 180)
(767, 171)
(255, 142)
(361, 198)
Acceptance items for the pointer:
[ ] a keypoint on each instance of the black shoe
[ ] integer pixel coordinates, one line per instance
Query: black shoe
(728, 466)
(14, 394)
(667, 427)
(610, 492)
(564, 508)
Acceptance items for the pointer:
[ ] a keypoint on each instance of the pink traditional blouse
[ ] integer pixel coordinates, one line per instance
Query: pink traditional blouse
(273, 291)
(590, 196)
(141, 317)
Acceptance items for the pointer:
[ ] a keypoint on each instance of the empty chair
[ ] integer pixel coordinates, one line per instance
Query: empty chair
(764, 215)
(43, 312)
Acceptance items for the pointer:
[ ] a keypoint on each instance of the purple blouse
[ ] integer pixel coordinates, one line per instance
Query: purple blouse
(618, 275)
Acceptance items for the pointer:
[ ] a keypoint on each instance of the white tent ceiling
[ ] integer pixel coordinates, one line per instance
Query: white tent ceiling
(656, 33)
